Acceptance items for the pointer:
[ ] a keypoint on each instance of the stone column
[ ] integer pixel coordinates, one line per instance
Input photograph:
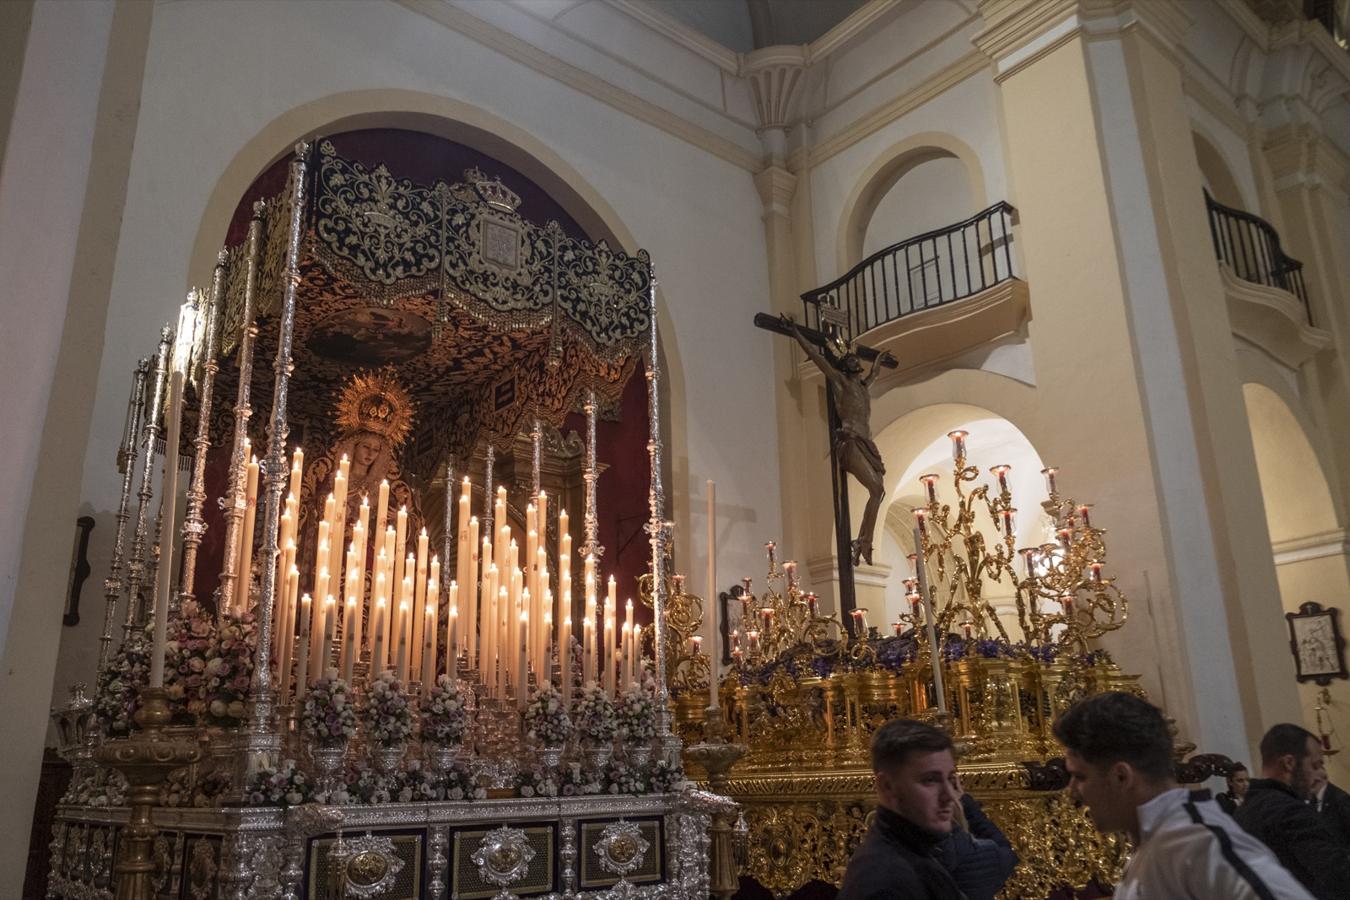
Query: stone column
(1124, 288)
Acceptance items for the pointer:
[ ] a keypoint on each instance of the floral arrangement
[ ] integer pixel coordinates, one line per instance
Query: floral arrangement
(533, 783)
(460, 784)
(622, 779)
(594, 715)
(546, 719)
(186, 654)
(282, 786)
(388, 715)
(416, 785)
(118, 696)
(445, 712)
(229, 669)
(575, 781)
(210, 788)
(664, 776)
(362, 784)
(328, 717)
(636, 715)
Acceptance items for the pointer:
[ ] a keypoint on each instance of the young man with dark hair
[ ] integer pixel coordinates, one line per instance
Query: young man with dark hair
(1118, 752)
(915, 768)
(1277, 812)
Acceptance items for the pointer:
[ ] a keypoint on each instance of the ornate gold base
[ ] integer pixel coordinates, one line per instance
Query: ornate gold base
(146, 759)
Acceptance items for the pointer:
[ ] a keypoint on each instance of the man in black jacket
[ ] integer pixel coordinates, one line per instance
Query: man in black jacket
(1333, 804)
(897, 859)
(1276, 811)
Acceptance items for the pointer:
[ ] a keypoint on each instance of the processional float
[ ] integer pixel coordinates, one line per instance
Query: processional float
(365, 702)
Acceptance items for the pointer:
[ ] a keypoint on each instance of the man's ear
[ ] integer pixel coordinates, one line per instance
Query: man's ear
(1288, 764)
(1121, 774)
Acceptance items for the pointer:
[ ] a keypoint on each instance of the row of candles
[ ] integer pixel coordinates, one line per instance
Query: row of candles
(502, 623)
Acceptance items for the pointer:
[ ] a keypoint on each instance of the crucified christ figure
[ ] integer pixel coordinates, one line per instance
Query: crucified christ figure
(853, 444)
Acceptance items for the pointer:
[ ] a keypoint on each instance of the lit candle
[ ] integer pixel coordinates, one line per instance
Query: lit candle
(428, 650)
(958, 445)
(626, 643)
(522, 663)
(287, 631)
(790, 569)
(469, 633)
(921, 517)
(502, 641)
(769, 547)
(401, 666)
(898, 626)
(546, 670)
(452, 631)
(1084, 510)
(754, 642)
(1001, 471)
(419, 599)
(350, 648)
(812, 604)
(1009, 522)
(565, 660)
(915, 607)
(297, 468)
(462, 544)
(382, 509)
(930, 486)
(241, 584)
(1066, 601)
(1028, 560)
(401, 548)
(968, 628)
(1049, 472)
(316, 635)
(696, 645)
(1096, 572)
(1065, 535)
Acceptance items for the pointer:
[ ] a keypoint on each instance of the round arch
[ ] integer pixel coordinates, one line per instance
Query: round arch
(1218, 175)
(882, 174)
(483, 131)
(1297, 496)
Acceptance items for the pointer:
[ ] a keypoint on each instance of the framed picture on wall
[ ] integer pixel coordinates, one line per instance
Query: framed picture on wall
(1316, 642)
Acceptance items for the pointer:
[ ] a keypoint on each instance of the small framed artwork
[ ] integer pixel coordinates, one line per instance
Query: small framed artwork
(1316, 642)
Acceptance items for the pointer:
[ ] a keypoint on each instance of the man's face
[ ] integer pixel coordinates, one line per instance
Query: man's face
(1104, 790)
(920, 790)
(1237, 783)
(1308, 770)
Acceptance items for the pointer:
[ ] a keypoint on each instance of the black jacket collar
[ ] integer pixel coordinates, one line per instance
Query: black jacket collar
(906, 833)
(1271, 784)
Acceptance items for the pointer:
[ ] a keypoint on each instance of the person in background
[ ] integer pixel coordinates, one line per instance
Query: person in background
(1118, 753)
(1277, 812)
(976, 852)
(1333, 804)
(1238, 779)
(914, 768)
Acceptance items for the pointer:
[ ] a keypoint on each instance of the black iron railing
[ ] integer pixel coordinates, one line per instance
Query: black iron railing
(1251, 247)
(919, 273)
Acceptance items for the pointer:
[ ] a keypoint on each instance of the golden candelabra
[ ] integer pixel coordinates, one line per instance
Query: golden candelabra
(804, 694)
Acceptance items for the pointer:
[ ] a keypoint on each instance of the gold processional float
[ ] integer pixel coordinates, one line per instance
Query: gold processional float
(352, 714)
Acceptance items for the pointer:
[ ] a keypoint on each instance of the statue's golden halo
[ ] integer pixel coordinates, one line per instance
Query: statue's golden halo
(376, 402)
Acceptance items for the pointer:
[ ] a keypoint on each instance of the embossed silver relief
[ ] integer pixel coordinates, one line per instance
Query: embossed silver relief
(503, 858)
(369, 865)
(621, 848)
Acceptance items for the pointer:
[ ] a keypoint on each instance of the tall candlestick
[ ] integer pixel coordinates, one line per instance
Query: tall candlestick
(246, 545)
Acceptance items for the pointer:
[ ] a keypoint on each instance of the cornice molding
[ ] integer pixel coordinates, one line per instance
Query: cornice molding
(1313, 546)
(1301, 156)
(651, 15)
(860, 21)
(934, 85)
(547, 64)
(1017, 32)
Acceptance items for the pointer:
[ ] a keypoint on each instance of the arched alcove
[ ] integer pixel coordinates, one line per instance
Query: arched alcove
(1216, 175)
(916, 444)
(1312, 559)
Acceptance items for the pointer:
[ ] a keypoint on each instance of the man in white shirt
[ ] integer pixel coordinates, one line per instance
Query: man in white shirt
(1118, 752)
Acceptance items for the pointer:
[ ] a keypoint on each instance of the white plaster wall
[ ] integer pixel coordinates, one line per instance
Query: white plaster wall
(1232, 148)
(932, 194)
(217, 73)
(968, 112)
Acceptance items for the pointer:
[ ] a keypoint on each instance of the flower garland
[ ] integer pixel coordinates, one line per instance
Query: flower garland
(283, 786)
(445, 712)
(594, 715)
(328, 717)
(546, 719)
(636, 715)
(388, 715)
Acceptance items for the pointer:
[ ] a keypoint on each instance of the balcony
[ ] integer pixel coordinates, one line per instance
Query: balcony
(1267, 299)
(930, 297)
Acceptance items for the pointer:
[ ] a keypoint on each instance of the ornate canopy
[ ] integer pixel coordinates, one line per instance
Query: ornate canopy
(488, 319)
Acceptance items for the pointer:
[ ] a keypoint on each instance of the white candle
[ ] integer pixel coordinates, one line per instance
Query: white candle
(626, 653)
(469, 633)
(351, 648)
(168, 506)
(297, 468)
(522, 670)
(428, 651)
(419, 600)
(316, 634)
(302, 649)
(377, 657)
(711, 604)
(565, 660)
(401, 548)
(241, 584)
(501, 644)
(286, 633)
(452, 630)
(402, 661)
(329, 623)
(382, 509)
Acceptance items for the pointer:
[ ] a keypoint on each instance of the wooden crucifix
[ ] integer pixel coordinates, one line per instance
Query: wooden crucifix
(852, 450)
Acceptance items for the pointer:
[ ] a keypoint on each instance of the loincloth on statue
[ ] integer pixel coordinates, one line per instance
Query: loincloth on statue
(845, 439)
